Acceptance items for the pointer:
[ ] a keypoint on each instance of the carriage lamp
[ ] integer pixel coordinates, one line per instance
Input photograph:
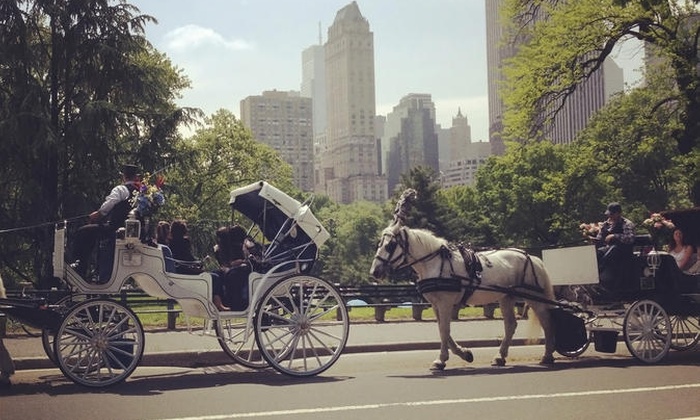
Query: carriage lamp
(133, 229)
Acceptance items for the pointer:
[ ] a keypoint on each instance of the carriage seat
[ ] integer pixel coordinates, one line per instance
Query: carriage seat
(670, 277)
(177, 266)
(643, 244)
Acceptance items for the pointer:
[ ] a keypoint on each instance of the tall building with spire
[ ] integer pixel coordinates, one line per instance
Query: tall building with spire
(349, 168)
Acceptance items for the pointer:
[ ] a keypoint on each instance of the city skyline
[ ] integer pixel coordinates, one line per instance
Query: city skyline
(234, 49)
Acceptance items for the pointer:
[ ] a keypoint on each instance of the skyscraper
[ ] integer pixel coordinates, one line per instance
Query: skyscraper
(349, 154)
(411, 137)
(283, 121)
(588, 98)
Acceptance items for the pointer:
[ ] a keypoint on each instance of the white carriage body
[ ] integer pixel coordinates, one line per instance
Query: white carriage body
(146, 264)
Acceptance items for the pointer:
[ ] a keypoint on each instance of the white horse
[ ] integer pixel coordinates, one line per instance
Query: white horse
(506, 275)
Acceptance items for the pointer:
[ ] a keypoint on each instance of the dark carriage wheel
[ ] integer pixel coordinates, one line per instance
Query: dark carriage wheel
(685, 332)
(99, 343)
(647, 331)
(576, 352)
(301, 325)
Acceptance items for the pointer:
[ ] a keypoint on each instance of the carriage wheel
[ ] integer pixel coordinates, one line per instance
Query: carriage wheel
(301, 325)
(647, 331)
(240, 343)
(579, 351)
(685, 332)
(48, 336)
(99, 343)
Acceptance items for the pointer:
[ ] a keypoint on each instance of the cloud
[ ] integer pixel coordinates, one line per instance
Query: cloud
(190, 37)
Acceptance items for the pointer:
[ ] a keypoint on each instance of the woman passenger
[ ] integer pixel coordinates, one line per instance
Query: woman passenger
(683, 253)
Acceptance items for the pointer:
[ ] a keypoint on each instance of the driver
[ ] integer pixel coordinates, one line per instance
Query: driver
(115, 210)
(615, 239)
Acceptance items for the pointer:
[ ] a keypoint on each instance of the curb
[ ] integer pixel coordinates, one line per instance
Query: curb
(203, 358)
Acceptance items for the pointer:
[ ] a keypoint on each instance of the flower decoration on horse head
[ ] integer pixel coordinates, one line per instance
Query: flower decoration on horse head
(148, 198)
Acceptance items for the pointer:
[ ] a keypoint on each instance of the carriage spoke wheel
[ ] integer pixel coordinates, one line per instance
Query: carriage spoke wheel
(47, 335)
(685, 332)
(239, 342)
(301, 325)
(647, 331)
(99, 343)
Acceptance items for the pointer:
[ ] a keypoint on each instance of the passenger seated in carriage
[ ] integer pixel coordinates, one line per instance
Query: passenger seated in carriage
(682, 252)
(615, 240)
(181, 249)
(230, 281)
(107, 219)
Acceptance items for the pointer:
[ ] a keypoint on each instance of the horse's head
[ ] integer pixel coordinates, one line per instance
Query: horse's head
(391, 251)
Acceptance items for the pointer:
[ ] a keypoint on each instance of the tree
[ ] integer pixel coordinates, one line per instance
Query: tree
(219, 157)
(563, 43)
(520, 194)
(428, 211)
(81, 92)
(354, 228)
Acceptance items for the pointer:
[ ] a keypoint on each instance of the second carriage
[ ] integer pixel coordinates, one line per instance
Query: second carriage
(295, 322)
(647, 301)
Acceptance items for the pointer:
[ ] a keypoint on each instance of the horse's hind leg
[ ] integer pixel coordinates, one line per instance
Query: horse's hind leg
(507, 305)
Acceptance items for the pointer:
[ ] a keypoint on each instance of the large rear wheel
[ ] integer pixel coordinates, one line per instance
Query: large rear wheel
(301, 325)
(99, 343)
(685, 332)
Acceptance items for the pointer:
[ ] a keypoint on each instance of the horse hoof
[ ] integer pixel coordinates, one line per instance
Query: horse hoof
(438, 366)
(498, 362)
(468, 356)
(547, 360)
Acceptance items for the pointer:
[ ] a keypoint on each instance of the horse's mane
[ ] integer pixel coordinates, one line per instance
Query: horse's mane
(427, 239)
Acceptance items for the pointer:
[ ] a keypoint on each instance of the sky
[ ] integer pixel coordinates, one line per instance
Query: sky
(232, 49)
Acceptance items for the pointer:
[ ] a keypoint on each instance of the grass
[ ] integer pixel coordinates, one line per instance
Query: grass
(151, 319)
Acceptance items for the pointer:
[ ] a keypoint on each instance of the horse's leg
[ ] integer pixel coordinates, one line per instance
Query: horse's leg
(443, 315)
(460, 351)
(542, 314)
(507, 305)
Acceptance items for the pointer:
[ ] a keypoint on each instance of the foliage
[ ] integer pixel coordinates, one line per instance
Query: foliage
(218, 158)
(563, 43)
(82, 93)
(428, 211)
(522, 195)
(355, 228)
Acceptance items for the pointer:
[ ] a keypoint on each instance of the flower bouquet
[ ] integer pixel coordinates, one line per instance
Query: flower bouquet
(590, 230)
(660, 228)
(146, 200)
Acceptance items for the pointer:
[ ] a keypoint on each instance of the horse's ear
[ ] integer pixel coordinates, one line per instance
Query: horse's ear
(403, 205)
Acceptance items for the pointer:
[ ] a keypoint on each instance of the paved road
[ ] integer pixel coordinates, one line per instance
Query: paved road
(189, 349)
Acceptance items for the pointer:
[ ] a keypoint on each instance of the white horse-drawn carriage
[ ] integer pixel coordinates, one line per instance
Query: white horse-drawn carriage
(295, 322)
(651, 302)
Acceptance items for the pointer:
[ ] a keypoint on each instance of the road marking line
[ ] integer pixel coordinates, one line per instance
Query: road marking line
(439, 402)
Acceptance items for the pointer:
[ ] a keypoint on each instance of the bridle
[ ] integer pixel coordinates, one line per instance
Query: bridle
(401, 241)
